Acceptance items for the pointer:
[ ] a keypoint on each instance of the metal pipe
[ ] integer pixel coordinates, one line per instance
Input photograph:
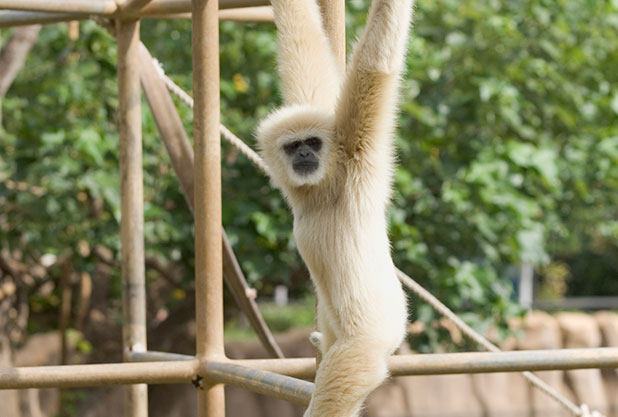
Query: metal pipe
(207, 199)
(268, 383)
(132, 206)
(104, 7)
(69, 376)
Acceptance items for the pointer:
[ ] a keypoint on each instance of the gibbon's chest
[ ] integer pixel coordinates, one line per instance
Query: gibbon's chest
(337, 234)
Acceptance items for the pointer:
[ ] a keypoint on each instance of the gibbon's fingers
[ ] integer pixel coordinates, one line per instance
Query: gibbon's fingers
(366, 110)
(307, 66)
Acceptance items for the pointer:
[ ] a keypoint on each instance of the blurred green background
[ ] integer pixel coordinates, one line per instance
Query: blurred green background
(507, 149)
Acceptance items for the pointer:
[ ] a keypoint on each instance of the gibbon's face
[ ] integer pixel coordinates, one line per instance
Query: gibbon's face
(304, 154)
(296, 143)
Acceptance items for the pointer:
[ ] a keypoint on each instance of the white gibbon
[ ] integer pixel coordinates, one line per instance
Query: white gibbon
(330, 151)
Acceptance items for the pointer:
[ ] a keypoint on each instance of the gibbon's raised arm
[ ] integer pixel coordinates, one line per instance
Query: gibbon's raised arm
(366, 110)
(308, 69)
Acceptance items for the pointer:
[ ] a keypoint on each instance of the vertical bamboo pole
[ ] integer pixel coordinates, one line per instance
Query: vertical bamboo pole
(207, 196)
(132, 206)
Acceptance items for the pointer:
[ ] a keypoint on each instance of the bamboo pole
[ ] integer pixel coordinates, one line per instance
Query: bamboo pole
(129, 8)
(10, 18)
(102, 7)
(181, 154)
(260, 14)
(207, 198)
(166, 7)
(238, 285)
(174, 368)
(268, 383)
(70, 376)
(132, 206)
(130, 5)
(461, 363)
(154, 356)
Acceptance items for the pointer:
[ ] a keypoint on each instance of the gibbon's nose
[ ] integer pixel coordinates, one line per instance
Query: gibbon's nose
(304, 153)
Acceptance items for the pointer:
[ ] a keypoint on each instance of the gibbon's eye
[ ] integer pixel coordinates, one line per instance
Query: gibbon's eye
(314, 143)
(291, 147)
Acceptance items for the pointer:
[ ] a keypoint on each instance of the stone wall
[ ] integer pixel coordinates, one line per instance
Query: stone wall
(482, 395)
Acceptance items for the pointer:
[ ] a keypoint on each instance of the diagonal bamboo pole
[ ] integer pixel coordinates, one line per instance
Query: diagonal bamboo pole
(132, 206)
(263, 382)
(181, 154)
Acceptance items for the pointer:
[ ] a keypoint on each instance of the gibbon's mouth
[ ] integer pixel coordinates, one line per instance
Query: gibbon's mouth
(305, 167)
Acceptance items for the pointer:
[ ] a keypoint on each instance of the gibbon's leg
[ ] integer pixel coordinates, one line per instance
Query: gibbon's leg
(308, 69)
(349, 371)
(325, 337)
(366, 109)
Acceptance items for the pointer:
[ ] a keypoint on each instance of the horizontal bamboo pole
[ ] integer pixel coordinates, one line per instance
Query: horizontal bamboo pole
(268, 383)
(172, 370)
(154, 356)
(462, 363)
(261, 14)
(10, 18)
(125, 5)
(166, 7)
(103, 7)
(98, 375)
(110, 8)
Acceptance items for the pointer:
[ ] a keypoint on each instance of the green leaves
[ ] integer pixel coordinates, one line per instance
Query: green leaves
(507, 147)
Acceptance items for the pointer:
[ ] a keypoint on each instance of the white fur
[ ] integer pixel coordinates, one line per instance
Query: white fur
(339, 210)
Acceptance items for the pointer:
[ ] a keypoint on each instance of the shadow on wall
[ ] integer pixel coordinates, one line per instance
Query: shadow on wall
(481, 395)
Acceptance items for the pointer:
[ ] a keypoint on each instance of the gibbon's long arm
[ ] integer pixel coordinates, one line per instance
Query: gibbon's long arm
(366, 110)
(306, 63)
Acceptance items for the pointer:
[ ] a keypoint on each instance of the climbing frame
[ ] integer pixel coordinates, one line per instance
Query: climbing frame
(198, 170)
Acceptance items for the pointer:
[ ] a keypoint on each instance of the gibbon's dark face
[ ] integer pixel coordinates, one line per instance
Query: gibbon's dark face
(304, 154)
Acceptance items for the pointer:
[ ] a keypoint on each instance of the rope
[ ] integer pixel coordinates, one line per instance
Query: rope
(578, 411)
(582, 411)
(225, 132)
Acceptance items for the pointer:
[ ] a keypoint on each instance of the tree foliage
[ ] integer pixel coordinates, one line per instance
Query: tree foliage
(507, 145)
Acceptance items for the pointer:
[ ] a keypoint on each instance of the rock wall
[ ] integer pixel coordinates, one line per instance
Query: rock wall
(482, 395)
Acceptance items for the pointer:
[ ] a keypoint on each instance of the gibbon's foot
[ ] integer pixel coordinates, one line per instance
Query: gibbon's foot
(316, 340)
